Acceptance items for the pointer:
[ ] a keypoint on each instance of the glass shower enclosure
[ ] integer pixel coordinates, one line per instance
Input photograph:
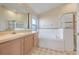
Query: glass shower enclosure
(68, 23)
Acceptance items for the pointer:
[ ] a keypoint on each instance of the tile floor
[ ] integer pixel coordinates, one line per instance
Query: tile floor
(44, 51)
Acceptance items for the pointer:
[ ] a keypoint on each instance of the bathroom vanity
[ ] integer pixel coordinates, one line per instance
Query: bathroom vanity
(18, 43)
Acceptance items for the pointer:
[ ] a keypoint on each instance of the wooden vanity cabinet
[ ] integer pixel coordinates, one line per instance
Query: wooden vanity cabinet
(28, 44)
(13, 47)
(19, 46)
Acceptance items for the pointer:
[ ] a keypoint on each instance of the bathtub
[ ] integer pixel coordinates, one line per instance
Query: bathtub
(51, 38)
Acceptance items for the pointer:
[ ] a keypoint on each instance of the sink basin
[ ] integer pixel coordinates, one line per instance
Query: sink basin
(13, 33)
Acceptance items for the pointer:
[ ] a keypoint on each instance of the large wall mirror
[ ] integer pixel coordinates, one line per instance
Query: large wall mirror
(19, 23)
(13, 20)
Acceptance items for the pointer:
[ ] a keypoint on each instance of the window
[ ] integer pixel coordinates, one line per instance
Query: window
(34, 23)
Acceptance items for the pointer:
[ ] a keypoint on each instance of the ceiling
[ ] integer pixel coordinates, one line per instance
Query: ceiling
(15, 7)
(40, 8)
(37, 8)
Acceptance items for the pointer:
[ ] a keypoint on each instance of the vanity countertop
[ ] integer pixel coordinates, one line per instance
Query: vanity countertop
(7, 36)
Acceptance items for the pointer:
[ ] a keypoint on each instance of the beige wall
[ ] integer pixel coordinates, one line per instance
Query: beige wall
(6, 14)
(52, 17)
(78, 28)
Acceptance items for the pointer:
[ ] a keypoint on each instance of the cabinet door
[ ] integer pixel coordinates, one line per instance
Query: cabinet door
(14, 47)
(31, 41)
(28, 44)
(35, 40)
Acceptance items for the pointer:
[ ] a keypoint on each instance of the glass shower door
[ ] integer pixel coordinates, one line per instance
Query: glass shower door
(69, 31)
